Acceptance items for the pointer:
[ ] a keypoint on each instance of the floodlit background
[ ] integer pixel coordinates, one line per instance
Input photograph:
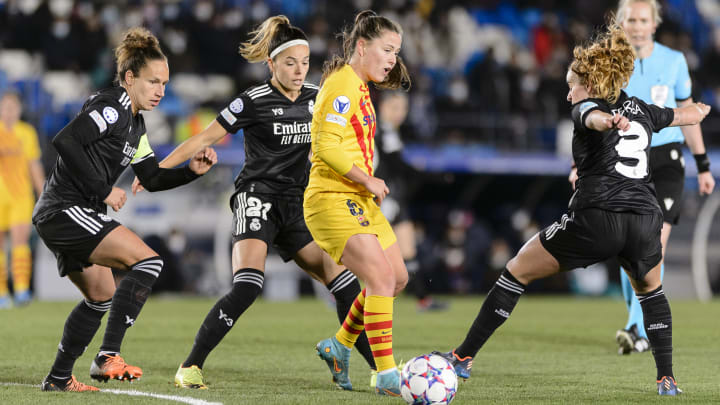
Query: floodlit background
(488, 116)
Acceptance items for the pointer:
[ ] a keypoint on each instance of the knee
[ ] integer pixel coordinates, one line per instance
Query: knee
(101, 294)
(401, 281)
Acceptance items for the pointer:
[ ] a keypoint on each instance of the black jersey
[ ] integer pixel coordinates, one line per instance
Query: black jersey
(277, 138)
(103, 139)
(612, 166)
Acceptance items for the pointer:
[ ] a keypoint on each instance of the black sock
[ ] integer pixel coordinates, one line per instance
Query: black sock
(80, 327)
(495, 310)
(658, 325)
(129, 298)
(345, 288)
(247, 285)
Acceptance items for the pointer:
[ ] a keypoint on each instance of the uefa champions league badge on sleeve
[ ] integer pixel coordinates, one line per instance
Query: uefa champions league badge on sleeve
(237, 106)
(341, 104)
(110, 114)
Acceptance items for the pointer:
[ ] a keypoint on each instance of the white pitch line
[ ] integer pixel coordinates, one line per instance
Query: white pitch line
(135, 393)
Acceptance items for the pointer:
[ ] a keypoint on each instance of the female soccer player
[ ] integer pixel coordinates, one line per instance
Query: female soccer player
(93, 150)
(20, 172)
(661, 77)
(613, 211)
(342, 197)
(267, 204)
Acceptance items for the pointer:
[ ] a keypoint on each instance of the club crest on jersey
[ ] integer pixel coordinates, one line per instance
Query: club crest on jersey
(255, 225)
(311, 105)
(341, 104)
(237, 106)
(110, 114)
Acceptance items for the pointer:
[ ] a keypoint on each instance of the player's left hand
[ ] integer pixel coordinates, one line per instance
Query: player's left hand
(203, 161)
(620, 122)
(706, 183)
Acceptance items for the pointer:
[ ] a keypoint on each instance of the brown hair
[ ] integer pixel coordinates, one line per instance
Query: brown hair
(137, 47)
(624, 4)
(606, 64)
(369, 26)
(272, 33)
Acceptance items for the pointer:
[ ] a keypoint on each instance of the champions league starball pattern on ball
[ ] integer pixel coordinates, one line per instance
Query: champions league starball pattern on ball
(428, 379)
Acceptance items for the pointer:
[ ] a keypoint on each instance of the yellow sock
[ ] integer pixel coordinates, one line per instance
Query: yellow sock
(353, 325)
(3, 275)
(21, 267)
(378, 326)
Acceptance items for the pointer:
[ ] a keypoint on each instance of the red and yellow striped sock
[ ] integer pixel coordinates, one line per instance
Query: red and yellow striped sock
(3, 274)
(21, 267)
(378, 326)
(354, 322)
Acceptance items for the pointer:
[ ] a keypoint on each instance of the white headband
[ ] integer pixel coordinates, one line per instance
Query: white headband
(287, 45)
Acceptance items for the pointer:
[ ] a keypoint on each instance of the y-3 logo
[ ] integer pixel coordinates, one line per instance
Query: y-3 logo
(223, 316)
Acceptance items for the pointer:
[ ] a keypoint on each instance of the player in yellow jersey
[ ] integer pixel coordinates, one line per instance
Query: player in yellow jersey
(342, 200)
(20, 173)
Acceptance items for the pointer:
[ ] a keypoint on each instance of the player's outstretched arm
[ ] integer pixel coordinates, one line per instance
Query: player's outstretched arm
(155, 178)
(690, 114)
(209, 136)
(191, 147)
(601, 121)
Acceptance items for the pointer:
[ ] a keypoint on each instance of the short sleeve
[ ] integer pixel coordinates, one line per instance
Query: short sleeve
(660, 117)
(335, 109)
(240, 113)
(683, 83)
(581, 110)
(144, 150)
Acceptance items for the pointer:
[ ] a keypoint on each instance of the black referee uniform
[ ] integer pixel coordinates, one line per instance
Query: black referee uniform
(267, 202)
(614, 211)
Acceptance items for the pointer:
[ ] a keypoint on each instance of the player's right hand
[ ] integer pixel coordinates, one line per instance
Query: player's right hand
(136, 186)
(378, 188)
(572, 178)
(116, 199)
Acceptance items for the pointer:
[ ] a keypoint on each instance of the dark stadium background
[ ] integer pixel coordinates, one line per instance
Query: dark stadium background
(487, 112)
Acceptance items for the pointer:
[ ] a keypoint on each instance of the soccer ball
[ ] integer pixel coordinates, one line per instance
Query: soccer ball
(428, 379)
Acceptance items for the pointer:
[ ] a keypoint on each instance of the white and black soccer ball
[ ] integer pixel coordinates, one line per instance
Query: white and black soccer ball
(428, 379)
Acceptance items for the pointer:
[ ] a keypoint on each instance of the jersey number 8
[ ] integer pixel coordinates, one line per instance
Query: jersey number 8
(632, 145)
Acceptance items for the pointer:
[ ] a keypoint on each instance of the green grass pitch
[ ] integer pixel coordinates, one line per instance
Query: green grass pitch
(553, 350)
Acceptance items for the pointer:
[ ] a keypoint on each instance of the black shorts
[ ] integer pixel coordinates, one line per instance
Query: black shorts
(668, 173)
(72, 234)
(592, 235)
(274, 219)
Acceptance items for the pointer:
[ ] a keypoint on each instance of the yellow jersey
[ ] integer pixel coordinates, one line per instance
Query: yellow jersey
(18, 147)
(342, 115)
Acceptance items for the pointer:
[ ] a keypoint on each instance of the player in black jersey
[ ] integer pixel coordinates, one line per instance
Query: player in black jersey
(267, 203)
(400, 177)
(93, 150)
(613, 211)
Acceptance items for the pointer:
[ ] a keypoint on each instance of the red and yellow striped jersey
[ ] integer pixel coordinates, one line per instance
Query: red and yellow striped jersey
(18, 147)
(344, 114)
